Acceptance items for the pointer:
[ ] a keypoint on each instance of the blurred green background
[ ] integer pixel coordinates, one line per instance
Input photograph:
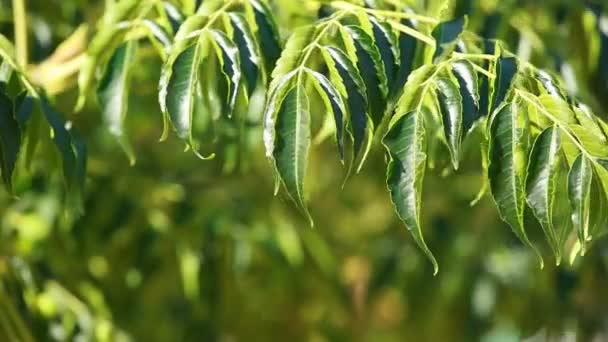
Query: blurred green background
(179, 249)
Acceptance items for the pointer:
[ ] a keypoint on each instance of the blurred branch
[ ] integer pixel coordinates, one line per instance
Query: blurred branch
(20, 22)
(58, 72)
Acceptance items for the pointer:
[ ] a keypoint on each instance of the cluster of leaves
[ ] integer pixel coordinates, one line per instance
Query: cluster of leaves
(27, 122)
(213, 61)
(380, 71)
(545, 150)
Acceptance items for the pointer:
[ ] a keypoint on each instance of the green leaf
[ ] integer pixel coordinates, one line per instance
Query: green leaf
(587, 200)
(103, 44)
(72, 152)
(549, 84)
(228, 55)
(182, 44)
(291, 54)
(275, 98)
(113, 94)
(176, 17)
(509, 140)
(267, 32)
(181, 90)
(545, 169)
(159, 33)
(10, 140)
(446, 33)
(450, 105)
(293, 142)
(371, 68)
(506, 69)
(360, 122)
(407, 53)
(469, 91)
(387, 45)
(24, 106)
(249, 56)
(406, 145)
(333, 103)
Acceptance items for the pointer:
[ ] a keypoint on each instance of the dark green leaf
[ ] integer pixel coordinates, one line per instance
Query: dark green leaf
(450, 104)
(469, 91)
(506, 69)
(509, 144)
(268, 34)
(446, 33)
(248, 51)
(357, 105)
(10, 140)
(229, 59)
(181, 90)
(113, 93)
(371, 68)
(545, 169)
(407, 54)
(406, 145)
(293, 142)
(387, 45)
(333, 102)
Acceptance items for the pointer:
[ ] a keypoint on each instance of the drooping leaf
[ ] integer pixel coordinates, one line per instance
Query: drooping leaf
(486, 87)
(545, 170)
(176, 17)
(509, 145)
(268, 33)
(588, 200)
(229, 60)
(71, 151)
(113, 94)
(446, 33)
(24, 106)
(10, 140)
(333, 102)
(275, 98)
(406, 145)
(248, 51)
(506, 69)
(407, 53)
(159, 33)
(293, 142)
(291, 54)
(360, 122)
(469, 91)
(181, 90)
(371, 67)
(387, 45)
(450, 104)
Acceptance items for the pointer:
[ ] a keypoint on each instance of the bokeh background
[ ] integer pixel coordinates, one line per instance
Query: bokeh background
(179, 249)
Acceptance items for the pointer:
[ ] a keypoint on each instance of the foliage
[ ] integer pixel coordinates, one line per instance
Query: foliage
(434, 89)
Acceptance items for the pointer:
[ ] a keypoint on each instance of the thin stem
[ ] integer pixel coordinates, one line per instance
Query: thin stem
(385, 13)
(20, 24)
(525, 96)
(412, 32)
(475, 56)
